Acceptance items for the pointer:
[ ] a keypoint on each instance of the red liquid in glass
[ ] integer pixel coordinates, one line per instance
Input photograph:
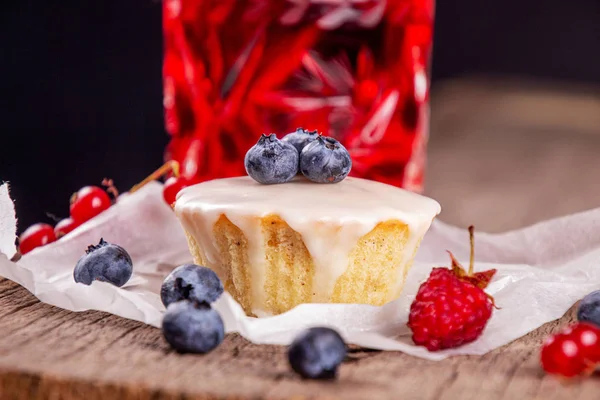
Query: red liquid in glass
(353, 69)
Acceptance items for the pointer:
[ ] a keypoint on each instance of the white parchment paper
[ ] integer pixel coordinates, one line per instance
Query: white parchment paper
(542, 271)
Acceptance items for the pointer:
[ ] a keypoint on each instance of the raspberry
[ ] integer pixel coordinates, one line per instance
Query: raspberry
(573, 351)
(451, 308)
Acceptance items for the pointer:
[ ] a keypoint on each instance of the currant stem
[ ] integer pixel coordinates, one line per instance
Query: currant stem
(109, 184)
(53, 217)
(472, 241)
(169, 166)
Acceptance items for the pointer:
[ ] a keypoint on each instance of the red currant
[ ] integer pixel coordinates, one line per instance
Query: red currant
(172, 186)
(36, 235)
(65, 226)
(573, 351)
(88, 202)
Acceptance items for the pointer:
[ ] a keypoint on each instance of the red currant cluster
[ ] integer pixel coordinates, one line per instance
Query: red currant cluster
(575, 351)
(90, 201)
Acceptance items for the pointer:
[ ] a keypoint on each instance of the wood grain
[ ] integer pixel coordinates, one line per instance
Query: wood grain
(482, 173)
(48, 353)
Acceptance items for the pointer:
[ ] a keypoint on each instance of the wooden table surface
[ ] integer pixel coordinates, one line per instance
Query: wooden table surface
(502, 156)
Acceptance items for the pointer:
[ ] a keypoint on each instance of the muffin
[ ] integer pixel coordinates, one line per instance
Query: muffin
(277, 246)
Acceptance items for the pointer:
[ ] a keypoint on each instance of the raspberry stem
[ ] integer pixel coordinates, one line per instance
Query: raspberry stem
(472, 241)
(169, 166)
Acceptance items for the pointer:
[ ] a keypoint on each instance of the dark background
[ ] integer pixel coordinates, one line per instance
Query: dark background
(81, 81)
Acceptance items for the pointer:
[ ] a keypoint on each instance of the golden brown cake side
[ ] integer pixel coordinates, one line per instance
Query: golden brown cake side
(375, 274)
(289, 267)
(277, 246)
(377, 267)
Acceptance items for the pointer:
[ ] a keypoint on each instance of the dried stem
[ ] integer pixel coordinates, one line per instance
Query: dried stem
(169, 166)
(109, 184)
(472, 241)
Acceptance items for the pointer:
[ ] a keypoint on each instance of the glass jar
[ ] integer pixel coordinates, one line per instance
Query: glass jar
(356, 70)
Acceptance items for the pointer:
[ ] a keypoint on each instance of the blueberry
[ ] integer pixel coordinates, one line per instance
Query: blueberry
(325, 161)
(191, 327)
(271, 161)
(316, 353)
(105, 262)
(589, 308)
(191, 282)
(300, 138)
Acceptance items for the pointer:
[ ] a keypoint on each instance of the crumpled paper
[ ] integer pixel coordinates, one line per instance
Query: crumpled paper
(8, 221)
(542, 271)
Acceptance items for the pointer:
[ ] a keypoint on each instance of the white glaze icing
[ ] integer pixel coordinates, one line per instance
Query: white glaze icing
(330, 218)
